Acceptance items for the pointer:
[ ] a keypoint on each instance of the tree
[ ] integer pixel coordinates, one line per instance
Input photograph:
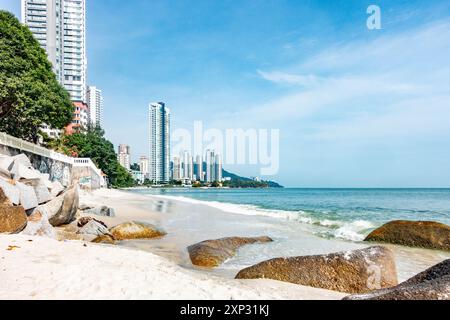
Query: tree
(30, 94)
(135, 167)
(91, 143)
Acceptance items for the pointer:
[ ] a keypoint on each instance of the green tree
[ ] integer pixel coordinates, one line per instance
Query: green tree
(91, 143)
(30, 94)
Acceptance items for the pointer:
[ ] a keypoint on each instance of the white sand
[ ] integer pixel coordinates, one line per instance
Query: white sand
(47, 269)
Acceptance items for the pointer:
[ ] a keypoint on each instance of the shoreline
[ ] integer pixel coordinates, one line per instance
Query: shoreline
(161, 268)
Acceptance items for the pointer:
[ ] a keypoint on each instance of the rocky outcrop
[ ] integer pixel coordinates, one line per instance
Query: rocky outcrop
(212, 253)
(432, 284)
(38, 225)
(98, 211)
(9, 193)
(357, 271)
(424, 234)
(28, 199)
(12, 219)
(62, 209)
(136, 230)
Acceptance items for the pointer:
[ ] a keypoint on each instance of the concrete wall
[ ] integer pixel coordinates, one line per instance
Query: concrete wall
(58, 170)
(86, 177)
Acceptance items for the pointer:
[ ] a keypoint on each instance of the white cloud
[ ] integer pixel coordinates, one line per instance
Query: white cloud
(287, 78)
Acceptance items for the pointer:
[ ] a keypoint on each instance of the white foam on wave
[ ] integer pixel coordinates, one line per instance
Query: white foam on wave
(353, 231)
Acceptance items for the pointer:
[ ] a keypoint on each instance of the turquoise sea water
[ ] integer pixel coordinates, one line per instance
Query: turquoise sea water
(342, 213)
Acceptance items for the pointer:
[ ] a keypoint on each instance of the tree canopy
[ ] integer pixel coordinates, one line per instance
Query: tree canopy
(30, 94)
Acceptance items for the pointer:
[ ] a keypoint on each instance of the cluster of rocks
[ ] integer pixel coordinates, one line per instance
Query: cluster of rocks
(29, 202)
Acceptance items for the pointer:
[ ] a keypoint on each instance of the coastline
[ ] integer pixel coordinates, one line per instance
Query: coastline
(160, 268)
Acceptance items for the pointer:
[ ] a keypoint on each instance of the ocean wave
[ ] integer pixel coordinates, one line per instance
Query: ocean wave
(346, 230)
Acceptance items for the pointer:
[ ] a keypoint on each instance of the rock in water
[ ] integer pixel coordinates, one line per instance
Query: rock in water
(38, 225)
(9, 193)
(211, 253)
(424, 234)
(432, 284)
(357, 271)
(62, 209)
(12, 219)
(136, 230)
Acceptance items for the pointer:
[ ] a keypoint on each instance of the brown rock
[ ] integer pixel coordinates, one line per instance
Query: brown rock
(85, 220)
(68, 232)
(135, 230)
(107, 239)
(424, 234)
(355, 271)
(12, 219)
(432, 284)
(211, 253)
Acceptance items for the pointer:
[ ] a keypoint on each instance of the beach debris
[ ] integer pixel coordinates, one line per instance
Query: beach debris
(424, 234)
(38, 225)
(212, 253)
(11, 248)
(357, 271)
(136, 230)
(431, 284)
(13, 219)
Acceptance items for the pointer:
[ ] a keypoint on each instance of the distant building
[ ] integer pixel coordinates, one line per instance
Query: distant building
(143, 165)
(199, 168)
(176, 169)
(218, 168)
(95, 102)
(159, 142)
(123, 156)
(80, 118)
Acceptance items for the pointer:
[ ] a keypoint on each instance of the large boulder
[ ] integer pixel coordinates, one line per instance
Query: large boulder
(357, 271)
(94, 228)
(99, 211)
(62, 209)
(424, 234)
(9, 192)
(211, 253)
(28, 198)
(135, 230)
(431, 284)
(106, 239)
(20, 172)
(42, 193)
(56, 188)
(13, 219)
(6, 163)
(38, 225)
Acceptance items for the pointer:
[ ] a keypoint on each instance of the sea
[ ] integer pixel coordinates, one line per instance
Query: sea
(348, 214)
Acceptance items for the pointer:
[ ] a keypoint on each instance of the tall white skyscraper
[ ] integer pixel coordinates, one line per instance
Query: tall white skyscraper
(95, 102)
(218, 168)
(199, 168)
(159, 142)
(60, 28)
(177, 170)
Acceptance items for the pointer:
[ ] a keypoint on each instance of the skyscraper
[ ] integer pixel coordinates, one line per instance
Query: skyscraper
(143, 165)
(123, 156)
(218, 168)
(199, 168)
(176, 169)
(95, 102)
(60, 28)
(159, 142)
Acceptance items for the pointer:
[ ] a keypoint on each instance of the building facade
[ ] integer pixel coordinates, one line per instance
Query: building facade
(60, 28)
(94, 100)
(123, 156)
(80, 117)
(143, 165)
(159, 142)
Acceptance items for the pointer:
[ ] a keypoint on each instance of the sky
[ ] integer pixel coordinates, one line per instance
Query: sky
(355, 107)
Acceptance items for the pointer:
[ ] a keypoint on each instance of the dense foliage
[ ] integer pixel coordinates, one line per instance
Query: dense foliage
(91, 143)
(30, 94)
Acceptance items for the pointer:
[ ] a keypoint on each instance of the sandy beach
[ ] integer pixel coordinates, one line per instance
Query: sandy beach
(43, 268)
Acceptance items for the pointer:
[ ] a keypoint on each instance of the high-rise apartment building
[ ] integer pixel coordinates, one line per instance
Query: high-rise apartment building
(143, 165)
(123, 156)
(218, 168)
(199, 168)
(177, 170)
(159, 142)
(60, 28)
(94, 100)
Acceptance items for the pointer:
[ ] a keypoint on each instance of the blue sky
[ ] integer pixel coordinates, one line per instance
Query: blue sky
(355, 107)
